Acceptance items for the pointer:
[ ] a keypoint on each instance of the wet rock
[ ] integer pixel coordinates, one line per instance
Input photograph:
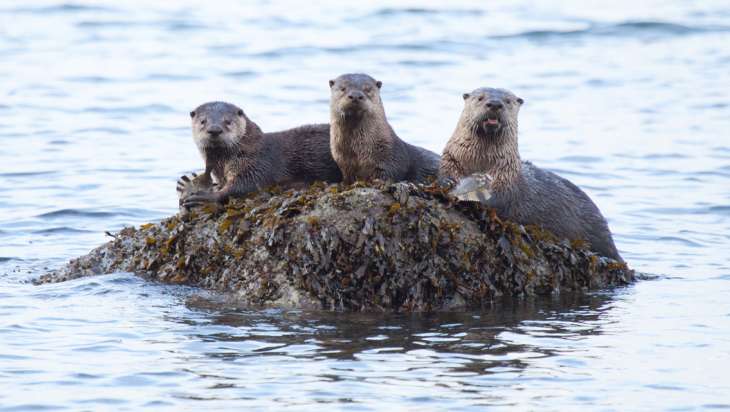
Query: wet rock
(359, 247)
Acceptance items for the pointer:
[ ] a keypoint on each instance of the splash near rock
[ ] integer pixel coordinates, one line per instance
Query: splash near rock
(384, 246)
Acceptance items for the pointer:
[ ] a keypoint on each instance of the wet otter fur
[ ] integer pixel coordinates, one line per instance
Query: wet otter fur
(485, 141)
(242, 159)
(362, 141)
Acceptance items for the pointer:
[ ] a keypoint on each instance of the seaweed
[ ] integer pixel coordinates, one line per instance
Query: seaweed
(364, 246)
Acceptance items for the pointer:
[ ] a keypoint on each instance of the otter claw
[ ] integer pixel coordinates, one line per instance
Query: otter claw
(183, 180)
(182, 184)
(199, 199)
(191, 183)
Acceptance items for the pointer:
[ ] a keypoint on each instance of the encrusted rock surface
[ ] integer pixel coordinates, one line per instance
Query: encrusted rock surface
(360, 247)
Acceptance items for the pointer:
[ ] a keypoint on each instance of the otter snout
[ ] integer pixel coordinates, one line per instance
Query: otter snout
(495, 105)
(356, 95)
(215, 131)
(353, 103)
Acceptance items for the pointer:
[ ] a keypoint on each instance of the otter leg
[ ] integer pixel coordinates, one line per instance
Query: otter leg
(205, 180)
(449, 172)
(348, 177)
(386, 174)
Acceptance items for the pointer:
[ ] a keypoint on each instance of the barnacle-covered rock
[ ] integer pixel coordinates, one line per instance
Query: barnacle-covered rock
(373, 246)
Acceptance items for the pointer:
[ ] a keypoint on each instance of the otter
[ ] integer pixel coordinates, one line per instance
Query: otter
(243, 159)
(362, 141)
(485, 143)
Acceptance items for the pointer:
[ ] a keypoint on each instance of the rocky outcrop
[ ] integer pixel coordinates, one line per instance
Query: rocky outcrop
(359, 247)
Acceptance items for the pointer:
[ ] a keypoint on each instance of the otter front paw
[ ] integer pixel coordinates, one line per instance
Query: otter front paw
(191, 184)
(200, 198)
(184, 186)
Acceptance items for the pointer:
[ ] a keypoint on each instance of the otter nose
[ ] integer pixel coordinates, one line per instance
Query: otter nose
(215, 131)
(495, 104)
(356, 95)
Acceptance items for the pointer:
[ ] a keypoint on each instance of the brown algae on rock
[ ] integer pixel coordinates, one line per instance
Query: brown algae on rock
(379, 246)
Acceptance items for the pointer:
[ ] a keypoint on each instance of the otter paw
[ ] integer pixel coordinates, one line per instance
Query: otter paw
(193, 183)
(185, 184)
(198, 199)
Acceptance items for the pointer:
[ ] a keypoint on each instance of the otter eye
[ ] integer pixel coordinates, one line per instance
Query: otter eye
(227, 122)
(342, 89)
(481, 98)
(508, 101)
(202, 121)
(368, 89)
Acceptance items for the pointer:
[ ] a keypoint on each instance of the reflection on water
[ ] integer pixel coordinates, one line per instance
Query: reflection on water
(164, 345)
(629, 100)
(466, 354)
(343, 336)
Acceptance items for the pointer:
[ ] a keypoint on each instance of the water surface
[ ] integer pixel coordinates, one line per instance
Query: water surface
(629, 100)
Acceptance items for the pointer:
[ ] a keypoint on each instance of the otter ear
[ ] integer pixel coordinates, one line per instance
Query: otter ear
(192, 114)
(332, 83)
(520, 101)
(465, 96)
(379, 83)
(240, 112)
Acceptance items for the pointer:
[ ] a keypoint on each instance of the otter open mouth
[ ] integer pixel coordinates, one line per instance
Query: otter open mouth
(490, 122)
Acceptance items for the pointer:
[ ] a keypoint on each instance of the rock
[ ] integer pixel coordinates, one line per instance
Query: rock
(396, 246)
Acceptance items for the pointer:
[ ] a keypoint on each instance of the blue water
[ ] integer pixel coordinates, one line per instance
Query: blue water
(630, 100)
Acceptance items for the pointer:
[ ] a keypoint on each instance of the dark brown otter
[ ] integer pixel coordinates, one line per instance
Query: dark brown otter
(243, 159)
(363, 143)
(485, 141)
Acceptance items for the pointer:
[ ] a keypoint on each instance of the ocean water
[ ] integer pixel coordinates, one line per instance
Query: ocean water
(630, 100)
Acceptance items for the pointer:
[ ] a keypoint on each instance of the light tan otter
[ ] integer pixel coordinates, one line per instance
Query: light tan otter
(485, 142)
(362, 141)
(243, 159)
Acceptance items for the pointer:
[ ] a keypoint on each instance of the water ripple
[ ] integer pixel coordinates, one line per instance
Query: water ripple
(94, 134)
(61, 230)
(628, 29)
(93, 213)
(61, 8)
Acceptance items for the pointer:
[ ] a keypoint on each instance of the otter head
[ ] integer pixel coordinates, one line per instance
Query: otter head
(354, 95)
(218, 125)
(490, 112)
